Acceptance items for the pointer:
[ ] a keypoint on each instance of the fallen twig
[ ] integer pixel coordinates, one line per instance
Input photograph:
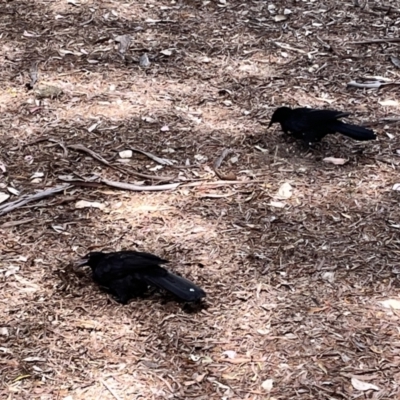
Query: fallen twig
(140, 188)
(154, 188)
(371, 85)
(287, 47)
(162, 161)
(96, 156)
(99, 158)
(383, 40)
(49, 139)
(11, 224)
(221, 183)
(390, 120)
(387, 9)
(12, 205)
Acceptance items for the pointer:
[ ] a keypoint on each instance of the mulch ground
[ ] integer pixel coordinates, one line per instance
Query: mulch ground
(299, 257)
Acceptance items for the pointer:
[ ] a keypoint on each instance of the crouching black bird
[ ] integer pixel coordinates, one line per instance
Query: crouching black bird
(127, 274)
(312, 125)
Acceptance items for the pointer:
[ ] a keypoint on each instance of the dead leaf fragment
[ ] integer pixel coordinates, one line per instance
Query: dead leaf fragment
(200, 378)
(2, 167)
(34, 359)
(391, 303)
(88, 204)
(144, 61)
(336, 161)
(277, 204)
(47, 92)
(280, 18)
(285, 191)
(13, 191)
(86, 324)
(363, 386)
(4, 331)
(125, 154)
(389, 103)
(4, 197)
(268, 385)
(166, 52)
(239, 360)
(395, 61)
(124, 43)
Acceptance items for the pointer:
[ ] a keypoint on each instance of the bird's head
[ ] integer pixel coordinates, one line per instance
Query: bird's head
(279, 115)
(91, 259)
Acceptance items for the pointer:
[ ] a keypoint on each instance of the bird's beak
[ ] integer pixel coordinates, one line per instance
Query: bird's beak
(81, 262)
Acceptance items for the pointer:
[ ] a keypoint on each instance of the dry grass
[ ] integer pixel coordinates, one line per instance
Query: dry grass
(296, 291)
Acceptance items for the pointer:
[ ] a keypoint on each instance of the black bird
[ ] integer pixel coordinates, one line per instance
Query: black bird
(312, 125)
(127, 274)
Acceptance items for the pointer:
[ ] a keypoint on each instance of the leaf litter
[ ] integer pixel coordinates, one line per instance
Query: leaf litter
(296, 287)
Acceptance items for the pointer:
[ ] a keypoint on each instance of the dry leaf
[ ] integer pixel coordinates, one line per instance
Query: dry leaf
(328, 276)
(144, 61)
(279, 18)
(125, 154)
(285, 191)
(391, 303)
(166, 52)
(205, 60)
(363, 386)
(267, 385)
(336, 161)
(230, 353)
(395, 61)
(93, 127)
(88, 204)
(4, 197)
(47, 92)
(13, 191)
(239, 360)
(389, 103)
(86, 324)
(34, 359)
(277, 204)
(4, 331)
(200, 378)
(37, 175)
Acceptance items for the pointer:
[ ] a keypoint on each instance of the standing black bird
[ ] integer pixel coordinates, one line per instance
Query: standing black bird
(312, 125)
(127, 274)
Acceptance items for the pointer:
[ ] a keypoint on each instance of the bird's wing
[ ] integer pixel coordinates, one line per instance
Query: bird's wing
(120, 264)
(313, 116)
(315, 122)
(141, 256)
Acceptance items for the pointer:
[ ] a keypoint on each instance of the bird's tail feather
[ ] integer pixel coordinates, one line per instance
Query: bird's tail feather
(177, 285)
(355, 132)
